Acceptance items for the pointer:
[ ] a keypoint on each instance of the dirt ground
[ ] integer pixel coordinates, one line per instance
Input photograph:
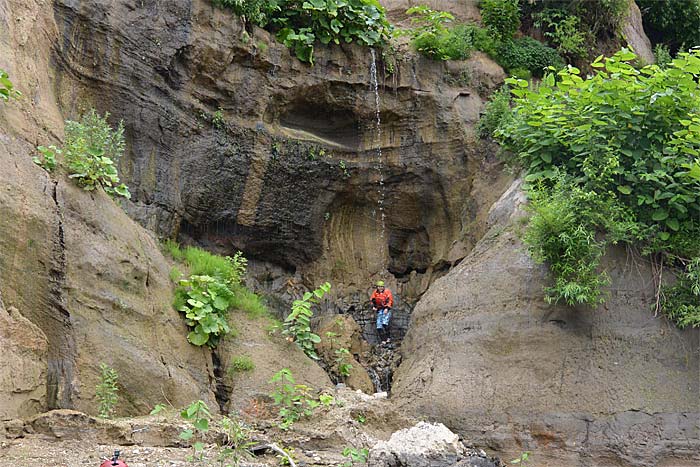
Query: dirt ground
(65, 438)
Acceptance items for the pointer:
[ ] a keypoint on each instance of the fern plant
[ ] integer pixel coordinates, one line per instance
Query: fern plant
(298, 323)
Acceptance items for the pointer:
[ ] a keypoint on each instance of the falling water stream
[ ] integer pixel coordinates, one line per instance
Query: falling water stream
(381, 191)
(379, 370)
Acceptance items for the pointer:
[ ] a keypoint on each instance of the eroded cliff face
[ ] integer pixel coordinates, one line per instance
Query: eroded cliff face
(577, 386)
(288, 170)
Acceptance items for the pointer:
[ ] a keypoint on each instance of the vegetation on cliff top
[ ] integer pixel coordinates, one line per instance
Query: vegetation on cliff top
(299, 24)
(612, 158)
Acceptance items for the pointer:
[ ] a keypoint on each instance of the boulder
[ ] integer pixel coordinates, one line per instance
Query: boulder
(426, 445)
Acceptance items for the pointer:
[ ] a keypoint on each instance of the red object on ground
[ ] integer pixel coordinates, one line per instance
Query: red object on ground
(118, 463)
(115, 462)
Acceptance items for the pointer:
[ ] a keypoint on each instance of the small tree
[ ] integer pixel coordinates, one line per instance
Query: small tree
(106, 391)
(298, 323)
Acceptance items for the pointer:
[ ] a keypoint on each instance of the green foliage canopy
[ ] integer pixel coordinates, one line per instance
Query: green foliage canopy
(675, 23)
(299, 24)
(623, 146)
(502, 17)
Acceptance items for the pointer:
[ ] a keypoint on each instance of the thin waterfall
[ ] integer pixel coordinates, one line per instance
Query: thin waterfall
(381, 191)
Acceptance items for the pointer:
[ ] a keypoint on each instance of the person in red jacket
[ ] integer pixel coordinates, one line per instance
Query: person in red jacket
(382, 301)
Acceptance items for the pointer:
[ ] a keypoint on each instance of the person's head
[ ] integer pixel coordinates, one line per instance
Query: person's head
(380, 286)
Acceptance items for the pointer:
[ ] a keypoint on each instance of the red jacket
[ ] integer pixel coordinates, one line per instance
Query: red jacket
(382, 299)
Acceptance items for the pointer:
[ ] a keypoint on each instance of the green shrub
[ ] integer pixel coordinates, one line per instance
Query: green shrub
(562, 234)
(240, 364)
(257, 12)
(92, 149)
(501, 17)
(681, 302)
(564, 32)
(106, 391)
(675, 23)
(298, 324)
(529, 54)
(452, 44)
(611, 158)
(497, 109)
(300, 24)
(295, 401)
(213, 287)
(596, 18)
(205, 301)
(431, 36)
(7, 89)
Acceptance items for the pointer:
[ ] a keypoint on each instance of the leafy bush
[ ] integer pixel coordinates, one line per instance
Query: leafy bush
(294, 400)
(596, 18)
(299, 24)
(92, 148)
(675, 23)
(452, 44)
(213, 287)
(205, 301)
(529, 54)
(257, 12)
(564, 32)
(106, 391)
(7, 89)
(501, 17)
(496, 110)
(298, 323)
(431, 36)
(610, 158)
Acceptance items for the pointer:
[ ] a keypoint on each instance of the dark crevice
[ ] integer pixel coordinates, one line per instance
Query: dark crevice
(221, 390)
(61, 361)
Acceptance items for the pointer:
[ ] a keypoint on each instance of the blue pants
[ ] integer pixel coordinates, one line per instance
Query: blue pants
(383, 317)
